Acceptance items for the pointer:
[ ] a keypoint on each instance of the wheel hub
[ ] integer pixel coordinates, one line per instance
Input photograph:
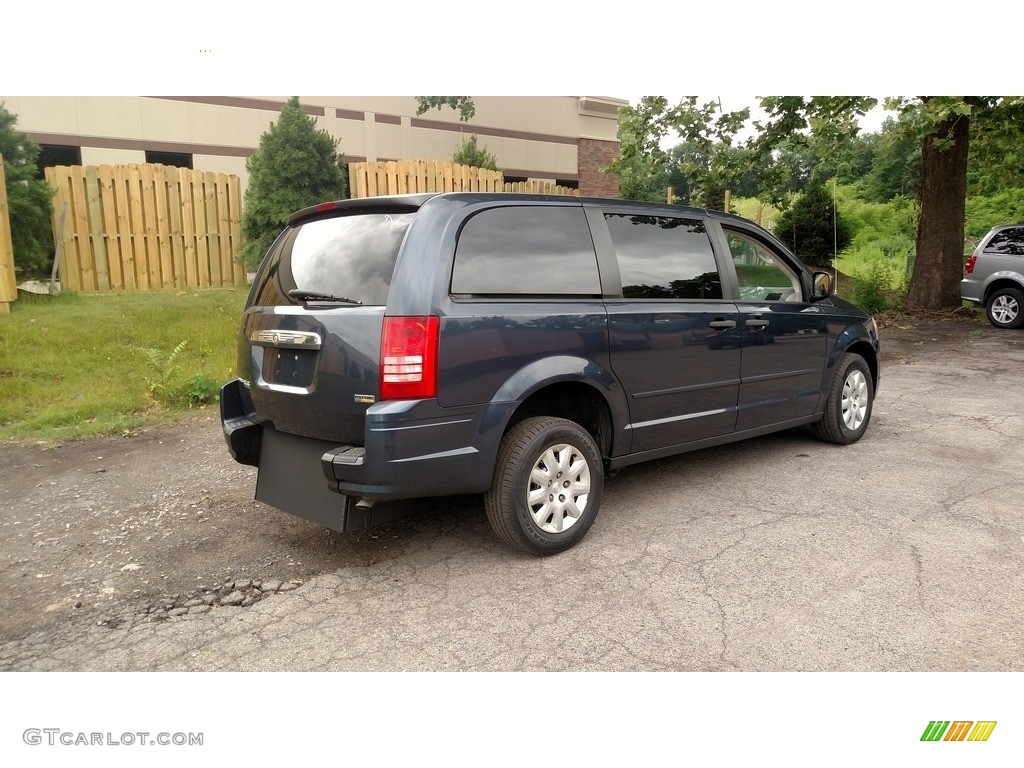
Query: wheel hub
(559, 486)
(1005, 309)
(855, 400)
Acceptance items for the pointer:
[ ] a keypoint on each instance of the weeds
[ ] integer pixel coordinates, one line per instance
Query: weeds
(164, 367)
(199, 390)
(879, 291)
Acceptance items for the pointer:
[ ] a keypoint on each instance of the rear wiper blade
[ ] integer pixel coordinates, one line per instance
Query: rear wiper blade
(295, 293)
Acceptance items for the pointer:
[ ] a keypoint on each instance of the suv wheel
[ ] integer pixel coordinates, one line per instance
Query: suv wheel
(848, 407)
(1005, 308)
(547, 486)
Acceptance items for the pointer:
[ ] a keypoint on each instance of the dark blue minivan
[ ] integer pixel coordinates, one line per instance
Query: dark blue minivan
(523, 347)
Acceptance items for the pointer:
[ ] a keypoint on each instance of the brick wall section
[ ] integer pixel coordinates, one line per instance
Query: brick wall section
(592, 156)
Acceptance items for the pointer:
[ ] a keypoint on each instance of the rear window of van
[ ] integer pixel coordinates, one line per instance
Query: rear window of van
(352, 257)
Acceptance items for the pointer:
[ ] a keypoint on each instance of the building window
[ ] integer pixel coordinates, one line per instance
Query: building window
(51, 155)
(177, 159)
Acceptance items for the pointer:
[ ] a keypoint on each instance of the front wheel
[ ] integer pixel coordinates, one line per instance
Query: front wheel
(547, 486)
(1005, 308)
(848, 405)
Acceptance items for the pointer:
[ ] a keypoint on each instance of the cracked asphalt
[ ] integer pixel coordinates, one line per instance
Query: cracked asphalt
(901, 552)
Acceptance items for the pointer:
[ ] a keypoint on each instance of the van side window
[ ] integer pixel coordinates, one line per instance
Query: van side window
(762, 275)
(1007, 241)
(663, 257)
(526, 250)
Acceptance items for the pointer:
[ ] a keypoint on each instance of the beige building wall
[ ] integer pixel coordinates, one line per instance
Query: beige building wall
(531, 137)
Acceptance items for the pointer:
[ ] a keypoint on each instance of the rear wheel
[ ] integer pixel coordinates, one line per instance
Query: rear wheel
(547, 486)
(848, 406)
(1005, 308)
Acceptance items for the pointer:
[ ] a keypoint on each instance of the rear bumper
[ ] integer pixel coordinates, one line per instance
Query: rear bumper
(413, 449)
(972, 291)
(243, 436)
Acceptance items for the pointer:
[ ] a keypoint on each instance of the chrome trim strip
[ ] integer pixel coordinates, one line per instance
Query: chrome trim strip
(669, 420)
(282, 339)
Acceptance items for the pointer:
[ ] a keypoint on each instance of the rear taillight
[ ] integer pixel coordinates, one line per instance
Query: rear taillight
(969, 266)
(408, 358)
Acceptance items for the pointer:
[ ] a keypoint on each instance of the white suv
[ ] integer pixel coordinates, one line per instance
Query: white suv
(994, 276)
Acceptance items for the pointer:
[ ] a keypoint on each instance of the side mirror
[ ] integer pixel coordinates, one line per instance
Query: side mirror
(822, 285)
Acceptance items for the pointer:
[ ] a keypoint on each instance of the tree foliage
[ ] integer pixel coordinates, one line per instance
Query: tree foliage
(468, 152)
(464, 105)
(707, 164)
(295, 165)
(29, 200)
(895, 166)
(996, 159)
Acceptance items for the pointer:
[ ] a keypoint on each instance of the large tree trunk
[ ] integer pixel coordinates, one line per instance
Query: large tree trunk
(938, 266)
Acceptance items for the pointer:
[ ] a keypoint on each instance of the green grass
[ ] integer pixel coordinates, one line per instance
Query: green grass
(75, 366)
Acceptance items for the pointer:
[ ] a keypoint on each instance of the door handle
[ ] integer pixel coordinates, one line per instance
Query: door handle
(757, 322)
(722, 324)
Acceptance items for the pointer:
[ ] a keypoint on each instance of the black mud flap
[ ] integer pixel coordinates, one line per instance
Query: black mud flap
(292, 480)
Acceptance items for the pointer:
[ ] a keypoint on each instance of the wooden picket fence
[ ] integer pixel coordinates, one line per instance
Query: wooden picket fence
(412, 176)
(8, 283)
(145, 227)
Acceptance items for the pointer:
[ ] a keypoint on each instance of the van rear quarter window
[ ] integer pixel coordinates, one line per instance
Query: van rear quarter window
(526, 250)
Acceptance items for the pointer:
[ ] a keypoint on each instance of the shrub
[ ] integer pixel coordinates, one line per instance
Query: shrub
(813, 227)
(880, 290)
(295, 165)
(468, 153)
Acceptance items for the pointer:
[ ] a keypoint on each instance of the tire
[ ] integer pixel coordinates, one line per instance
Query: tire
(1005, 308)
(535, 457)
(849, 402)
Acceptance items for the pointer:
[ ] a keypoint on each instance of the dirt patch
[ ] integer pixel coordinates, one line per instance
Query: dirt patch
(906, 337)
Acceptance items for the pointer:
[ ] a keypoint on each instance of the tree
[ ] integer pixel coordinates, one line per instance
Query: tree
(800, 132)
(468, 153)
(896, 164)
(940, 124)
(813, 228)
(707, 164)
(941, 197)
(945, 126)
(295, 165)
(29, 200)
